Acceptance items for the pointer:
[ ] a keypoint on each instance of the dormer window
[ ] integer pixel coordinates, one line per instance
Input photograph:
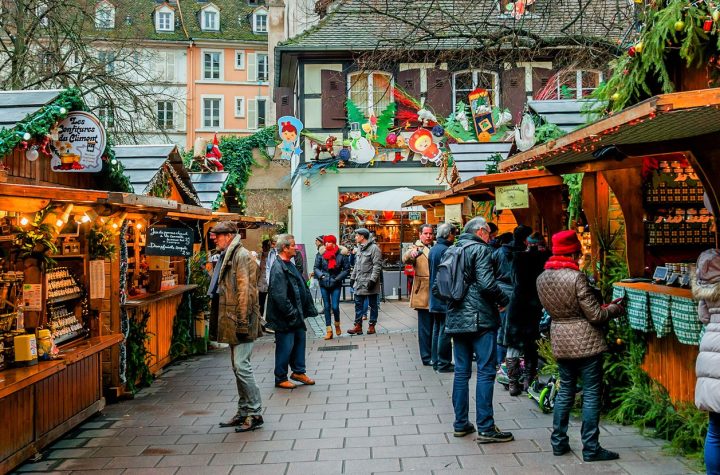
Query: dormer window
(104, 15)
(165, 19)
(260, 21)
(210, 18)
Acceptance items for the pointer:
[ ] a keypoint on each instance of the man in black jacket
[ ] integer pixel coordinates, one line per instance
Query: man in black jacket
(441, 349)
(473, 323)
(289, 303)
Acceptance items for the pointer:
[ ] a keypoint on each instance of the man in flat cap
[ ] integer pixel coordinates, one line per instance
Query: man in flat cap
(365, 279)
(234, 288)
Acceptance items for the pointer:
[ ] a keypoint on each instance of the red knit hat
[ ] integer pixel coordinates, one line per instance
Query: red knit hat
(329, 238)
(565, 243)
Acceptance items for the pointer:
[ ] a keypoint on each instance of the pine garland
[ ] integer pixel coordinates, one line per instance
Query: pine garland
(385, 123)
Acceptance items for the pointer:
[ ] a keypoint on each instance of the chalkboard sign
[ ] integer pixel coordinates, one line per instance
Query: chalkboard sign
(169, 242)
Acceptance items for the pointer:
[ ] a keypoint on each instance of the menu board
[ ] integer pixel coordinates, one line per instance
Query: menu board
(512, 197)
(169, 242)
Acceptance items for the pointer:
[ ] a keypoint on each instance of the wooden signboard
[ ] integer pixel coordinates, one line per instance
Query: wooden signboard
(169, 242)
(512, 197)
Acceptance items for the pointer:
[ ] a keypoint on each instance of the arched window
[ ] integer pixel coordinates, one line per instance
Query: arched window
(464, 82)
(371, 91)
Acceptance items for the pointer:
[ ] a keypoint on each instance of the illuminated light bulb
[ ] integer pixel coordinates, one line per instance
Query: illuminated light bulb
(85, 218)
(114, 225)
(63, 110)
(59, 223)
(113, 162)
(139, 226)
(27, 136)
(24, 221)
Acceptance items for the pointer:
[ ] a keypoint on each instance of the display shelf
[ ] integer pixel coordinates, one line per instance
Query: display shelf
(67, 256)
(64, 298)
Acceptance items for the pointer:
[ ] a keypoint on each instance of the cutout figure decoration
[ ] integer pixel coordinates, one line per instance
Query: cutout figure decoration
(421, 141)
(289, 129)
(214, 154)
(361, 150)
(525, 134)
(481, 109)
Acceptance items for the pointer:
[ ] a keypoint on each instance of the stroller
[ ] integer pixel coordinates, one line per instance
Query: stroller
(544, 392)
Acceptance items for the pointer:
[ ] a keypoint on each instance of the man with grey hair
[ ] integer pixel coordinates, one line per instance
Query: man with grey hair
(473, 323)
(441, 349)
(289, 303)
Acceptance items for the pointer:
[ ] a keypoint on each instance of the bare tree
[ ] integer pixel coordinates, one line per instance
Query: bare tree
(48, 44)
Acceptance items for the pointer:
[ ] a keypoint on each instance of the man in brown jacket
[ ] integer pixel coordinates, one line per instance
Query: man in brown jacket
(418, 256)
(234, 284)
(578, 342)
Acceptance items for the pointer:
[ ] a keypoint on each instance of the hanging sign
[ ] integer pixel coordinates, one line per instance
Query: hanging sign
(512, 197)
(414, 215)
(169, 242)
(80, 144)
(453, 213)
(97, 279)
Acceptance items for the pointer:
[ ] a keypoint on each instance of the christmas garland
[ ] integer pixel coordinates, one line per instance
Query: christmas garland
(672, 29)
(159, 186)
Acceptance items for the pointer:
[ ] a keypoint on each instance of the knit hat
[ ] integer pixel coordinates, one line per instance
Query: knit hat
(363, 232)
(320, 238)
(329, 238)
(565, 243)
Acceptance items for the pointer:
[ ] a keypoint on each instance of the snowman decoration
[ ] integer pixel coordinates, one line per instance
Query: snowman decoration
(361, 150)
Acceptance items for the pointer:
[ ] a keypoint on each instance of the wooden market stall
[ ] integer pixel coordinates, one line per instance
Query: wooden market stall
(656, 158)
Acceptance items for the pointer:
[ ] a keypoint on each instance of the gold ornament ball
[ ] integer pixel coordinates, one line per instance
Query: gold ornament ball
(679, 25)
(619, 341)
(639, 47)
(615, 96)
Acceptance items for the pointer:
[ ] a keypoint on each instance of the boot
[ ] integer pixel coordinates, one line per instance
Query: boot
(356, 330)
(328, 334)
(530, 373)
(338, 332)
(513, 373)
(371, 329)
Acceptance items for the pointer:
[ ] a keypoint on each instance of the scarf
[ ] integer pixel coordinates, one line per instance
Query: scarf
(561, 262)
(329, 256)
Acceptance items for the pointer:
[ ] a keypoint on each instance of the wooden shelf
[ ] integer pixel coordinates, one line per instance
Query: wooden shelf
(64, 298)
(657, 289)
(152, 298)
(67, 256)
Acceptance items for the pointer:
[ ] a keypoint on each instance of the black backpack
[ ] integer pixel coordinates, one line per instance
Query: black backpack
(450, 283)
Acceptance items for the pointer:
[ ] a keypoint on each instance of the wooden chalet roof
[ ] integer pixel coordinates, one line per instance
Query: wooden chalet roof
(17, 105)
(208, 186)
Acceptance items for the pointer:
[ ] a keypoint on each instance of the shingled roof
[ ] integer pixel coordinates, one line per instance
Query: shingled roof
(208, 186)
(461, 24)
(17, 105)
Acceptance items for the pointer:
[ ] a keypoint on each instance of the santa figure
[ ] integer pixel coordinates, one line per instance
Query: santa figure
(214, 154)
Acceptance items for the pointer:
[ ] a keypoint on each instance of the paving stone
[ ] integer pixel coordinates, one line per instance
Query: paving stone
(243, 458)
(119, 441)
(516, 446)
(134, 462)
(71, 453)
(92, 433)
(453, 449)
(175, 449)
(371, 466)
(119, 451)
(666, 467)
(334, 443)
(374, 441)
(534, 469)
(185, 460)
(68, 443)
(394, 430)
(201, 438)
(150, 471)
(43, 466)
(610, 468)
(316, 468)
(355, 453)
(473, 461)
(398, 451)
(214, 470)
(429, 463)
(84, 464)
(265, 469)
(155, 440)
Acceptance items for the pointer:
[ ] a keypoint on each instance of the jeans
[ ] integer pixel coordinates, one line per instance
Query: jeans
(501, 348)
(590, 371)
(441, 346)
(483, 346)
(712, 445)
(331, 299)
(362, 304)
(249, 401)
(262, 297)
(425, 334)
(289, 350)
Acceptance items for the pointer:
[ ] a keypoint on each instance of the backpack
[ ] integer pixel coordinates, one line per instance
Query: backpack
(450, 283)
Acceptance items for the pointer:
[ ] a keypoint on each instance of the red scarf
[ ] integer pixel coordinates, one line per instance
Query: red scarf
(561, 262)
(329, 256)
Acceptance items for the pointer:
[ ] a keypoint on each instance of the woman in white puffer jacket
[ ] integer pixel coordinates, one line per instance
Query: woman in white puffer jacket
(706, 289)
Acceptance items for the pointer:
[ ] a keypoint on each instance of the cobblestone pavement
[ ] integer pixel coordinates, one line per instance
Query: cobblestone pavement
(374, 409)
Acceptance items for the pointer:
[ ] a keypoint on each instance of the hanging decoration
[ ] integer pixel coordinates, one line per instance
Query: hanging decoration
(214, 155)
(421, 141)
(289, 129)
(481, 110)
(525, 134)
(80, 145)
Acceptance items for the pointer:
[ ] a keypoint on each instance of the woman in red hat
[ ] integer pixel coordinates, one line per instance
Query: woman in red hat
(578, 342)
(332, 265)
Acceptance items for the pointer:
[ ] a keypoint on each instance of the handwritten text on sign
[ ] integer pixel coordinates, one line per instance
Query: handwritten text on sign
(169, 242)
(80, 144)
(512, 197)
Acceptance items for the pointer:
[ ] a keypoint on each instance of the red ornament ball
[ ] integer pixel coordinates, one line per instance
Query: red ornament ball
(631, 52)
(391, 138)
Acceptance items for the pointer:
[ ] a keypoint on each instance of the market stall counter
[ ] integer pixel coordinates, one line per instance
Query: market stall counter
(36, 413)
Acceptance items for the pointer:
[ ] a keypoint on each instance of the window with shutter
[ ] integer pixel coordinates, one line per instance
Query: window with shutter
(165, 115)
(283, 102)
(514, 96)
(541, 78)
(261, 112)
(464, 82)
(252, 114)
(262, 67)
(332, 85)
(251, 67)
(439, 94)
(239, 59)
(371, 92)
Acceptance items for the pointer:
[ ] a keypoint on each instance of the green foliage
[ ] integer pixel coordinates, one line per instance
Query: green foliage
(385, 123)
(200, 277)
(454, 128)
(354, 113)
(649, 72)
(137, 372)
(112, 176)
(100, 243)
(574, 183)
(182, 341)
(161, 185)
(38, 240)
(545, 351)
(611, 264)
(491, 167)
(546, 132)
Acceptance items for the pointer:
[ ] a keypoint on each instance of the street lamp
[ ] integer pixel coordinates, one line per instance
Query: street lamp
(270, 148)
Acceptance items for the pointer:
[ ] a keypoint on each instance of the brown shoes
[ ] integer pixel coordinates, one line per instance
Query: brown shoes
(356, 330)
(371, 329)
(338, 331)
(302, 378)
(236, 420)
(285, 385)
(328, 333)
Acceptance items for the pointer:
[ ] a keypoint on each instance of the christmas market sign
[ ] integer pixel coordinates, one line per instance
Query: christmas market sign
(78, 144)
(512, 197)
(169, 242)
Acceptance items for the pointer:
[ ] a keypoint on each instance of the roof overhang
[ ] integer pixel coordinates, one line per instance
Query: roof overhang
(651, 127)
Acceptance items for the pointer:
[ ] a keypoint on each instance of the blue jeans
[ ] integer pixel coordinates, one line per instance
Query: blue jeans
(590, 371)
(425, 334)
(712, 445)
(483, 346)
(362, 304)
(331, 299)
(289, 350)
(441, 346)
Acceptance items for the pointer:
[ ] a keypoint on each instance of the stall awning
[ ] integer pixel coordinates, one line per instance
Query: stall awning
(568, 114)
(652, 123)
(16, 105)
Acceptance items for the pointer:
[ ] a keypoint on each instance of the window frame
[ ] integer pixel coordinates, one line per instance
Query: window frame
(204, 15)
(108, 23)
(578, 83)
(221, 66)
(172, 123)
(106, 113)
(261, 12)
(107, 58)
(266, 69)
(242, 109)
(240, 53)
(474, 71)
(369, 107)
(171, 20)
(221, 111)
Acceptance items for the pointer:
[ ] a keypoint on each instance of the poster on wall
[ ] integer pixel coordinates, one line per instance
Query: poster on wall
(32, 297)
(80, 144)
(97, 279)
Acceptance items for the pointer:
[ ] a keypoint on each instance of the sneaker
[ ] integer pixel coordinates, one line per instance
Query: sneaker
(285, 385)
(561, 450)
(302, 378)
(236, 420)
(469, 429)
(449, 369)
(250, 423)
(601, 455)
(494, 435)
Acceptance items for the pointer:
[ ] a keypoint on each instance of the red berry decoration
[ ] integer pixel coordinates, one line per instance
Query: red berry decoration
(707, 25)
(631, 52)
